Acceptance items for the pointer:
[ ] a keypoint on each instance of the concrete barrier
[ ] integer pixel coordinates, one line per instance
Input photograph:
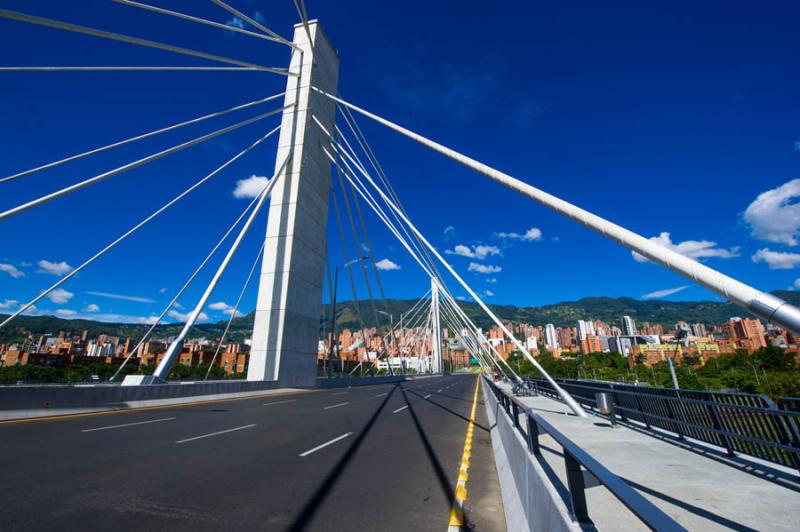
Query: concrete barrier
(18, 402)
(344, 382)
(530, 501)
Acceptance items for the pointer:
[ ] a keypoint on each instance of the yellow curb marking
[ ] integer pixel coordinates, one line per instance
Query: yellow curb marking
(457, 511)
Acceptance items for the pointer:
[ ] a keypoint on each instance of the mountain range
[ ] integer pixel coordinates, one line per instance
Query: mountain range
(607, 309)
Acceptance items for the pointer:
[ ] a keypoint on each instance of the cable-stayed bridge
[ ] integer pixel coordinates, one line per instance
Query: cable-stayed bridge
(286, 450)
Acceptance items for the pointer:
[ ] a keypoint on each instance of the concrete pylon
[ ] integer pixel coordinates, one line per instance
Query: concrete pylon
(436, 333)
(286, 328)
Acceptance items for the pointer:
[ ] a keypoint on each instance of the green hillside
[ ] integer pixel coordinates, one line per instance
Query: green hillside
(607, 309)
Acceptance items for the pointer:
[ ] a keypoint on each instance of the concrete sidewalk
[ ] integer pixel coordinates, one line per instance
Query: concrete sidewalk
(699, 492)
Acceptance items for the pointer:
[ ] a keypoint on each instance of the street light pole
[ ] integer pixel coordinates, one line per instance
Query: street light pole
(334, 341)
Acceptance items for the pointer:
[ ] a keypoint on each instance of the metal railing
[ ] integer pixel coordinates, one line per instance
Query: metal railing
(739, 423)
(576, 458)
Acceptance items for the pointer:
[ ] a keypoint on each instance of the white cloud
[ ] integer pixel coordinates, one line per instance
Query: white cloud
(531, 235)
(91, 308)
(476, 252)
(777, 260)
(65, 313)
(11, 270)
(225, 308)
(250, 187)
(9, 304)
(235, 22)
(774, 217)
(487, 293)
(694, 249)
(31, 311)
(387, 265)
(484, 268)
(59, 296)
(54, 268)
(796, 284)
(461, 298)
(448, 233)
(491, 280)
(665, 292)
(162, 291)
(797, 145)
(180, 316)
(123, 297)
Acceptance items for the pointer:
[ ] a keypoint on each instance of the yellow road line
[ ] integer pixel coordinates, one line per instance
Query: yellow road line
(457, 511)
(60, 417)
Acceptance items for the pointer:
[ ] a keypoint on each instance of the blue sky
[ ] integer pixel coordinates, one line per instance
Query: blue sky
(680, 121)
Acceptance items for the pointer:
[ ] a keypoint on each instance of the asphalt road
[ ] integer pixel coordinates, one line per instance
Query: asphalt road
(381, 457)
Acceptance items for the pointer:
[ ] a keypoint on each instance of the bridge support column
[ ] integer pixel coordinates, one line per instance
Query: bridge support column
(286, 328)
(436, 333)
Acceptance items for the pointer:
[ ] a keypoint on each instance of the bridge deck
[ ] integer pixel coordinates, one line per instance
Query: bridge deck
(702, 492)
(238, 464)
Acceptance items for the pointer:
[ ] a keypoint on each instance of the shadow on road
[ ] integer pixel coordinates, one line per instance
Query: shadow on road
(313, 504)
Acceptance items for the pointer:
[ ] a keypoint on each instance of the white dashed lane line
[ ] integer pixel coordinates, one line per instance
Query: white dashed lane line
(318, 447)
(129, 424)
(335, 406)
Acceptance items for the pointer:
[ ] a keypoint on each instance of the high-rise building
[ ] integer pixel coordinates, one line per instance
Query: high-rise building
(550, 338)
(585, 328)
(629, 326)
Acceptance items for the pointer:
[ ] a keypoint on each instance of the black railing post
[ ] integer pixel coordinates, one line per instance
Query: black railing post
(533, 435)
(577, 487)
(675, 422)
(515, 410)
(723, 434)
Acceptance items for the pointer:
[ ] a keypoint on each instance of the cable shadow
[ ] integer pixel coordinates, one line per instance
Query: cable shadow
(314, 503)
(761, 471)
(733, 525)
(448, 410)
(441, 476)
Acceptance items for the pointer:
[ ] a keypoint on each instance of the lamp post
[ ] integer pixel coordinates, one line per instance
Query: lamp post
(334, 340)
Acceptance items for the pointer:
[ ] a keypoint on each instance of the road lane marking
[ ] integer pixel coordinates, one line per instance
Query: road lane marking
(129, 424)
(280, 402)
(382, 394)
(318, 447)
(335, 406)
(457, 510)
(339, 393)
(427, 396)
(399, 409)
(216, 433)
(439, 390)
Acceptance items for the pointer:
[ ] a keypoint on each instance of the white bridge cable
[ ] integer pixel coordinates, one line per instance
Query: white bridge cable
(141, 137)
(347, 263)
(202, 21)
(356, 241)
(257, 24)
(469, 344)
(184, 287)
(430, 269)
(479, 338)
(123, 69)
(40, 21)
(135, 164)
(367, 195)
(235, 308)
(352, 124)
(379, 171)
(138, 226)
(566, 397)
(303, 14)
(175, 347)
(762, 304)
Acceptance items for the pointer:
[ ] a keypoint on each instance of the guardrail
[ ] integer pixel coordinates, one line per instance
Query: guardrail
(739, 423)
(575, 458)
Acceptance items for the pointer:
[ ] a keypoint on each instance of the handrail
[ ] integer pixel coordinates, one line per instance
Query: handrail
(770, 433)
(576, 457)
